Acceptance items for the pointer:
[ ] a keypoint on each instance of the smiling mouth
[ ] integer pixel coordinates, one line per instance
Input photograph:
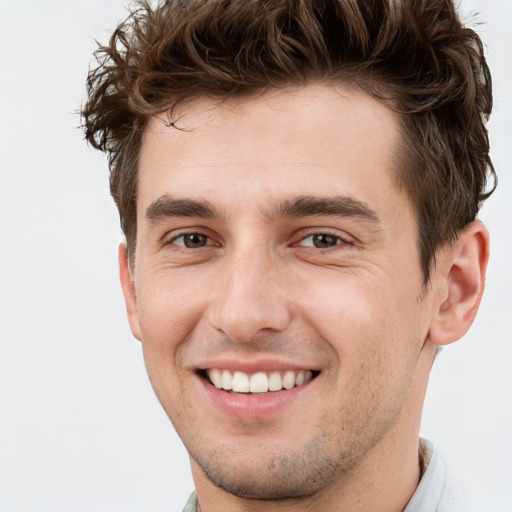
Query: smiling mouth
(259, 382)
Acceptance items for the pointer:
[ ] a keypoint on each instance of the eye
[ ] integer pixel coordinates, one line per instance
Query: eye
(192, 240)
(320, 241)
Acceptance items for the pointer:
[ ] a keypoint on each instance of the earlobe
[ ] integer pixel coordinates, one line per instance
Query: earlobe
(460, 280)
(128, 287)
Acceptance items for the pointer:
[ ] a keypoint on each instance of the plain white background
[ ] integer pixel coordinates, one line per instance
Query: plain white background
(80, 428)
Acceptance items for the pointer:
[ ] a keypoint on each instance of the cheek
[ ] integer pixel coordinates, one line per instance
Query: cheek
(168, 307)
(165, 323)
(370, 318)
(377, 336)
(168, 313)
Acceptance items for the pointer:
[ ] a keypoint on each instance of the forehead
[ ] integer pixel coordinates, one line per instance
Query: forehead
(315, 139)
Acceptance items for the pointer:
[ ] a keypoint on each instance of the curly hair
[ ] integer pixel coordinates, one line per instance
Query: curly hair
(414, 55)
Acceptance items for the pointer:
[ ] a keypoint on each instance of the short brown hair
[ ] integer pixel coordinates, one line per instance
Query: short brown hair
(415, 55)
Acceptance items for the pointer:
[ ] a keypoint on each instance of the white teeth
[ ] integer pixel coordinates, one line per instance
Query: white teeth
(240, 382)
(275, 383)
(216, 378)
(227, 380)
(259, 382)
(289, 380)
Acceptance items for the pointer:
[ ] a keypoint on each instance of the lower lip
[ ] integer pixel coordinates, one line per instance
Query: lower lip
(253, 406)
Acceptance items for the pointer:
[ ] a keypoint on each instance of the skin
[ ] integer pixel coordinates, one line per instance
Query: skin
(259, 292)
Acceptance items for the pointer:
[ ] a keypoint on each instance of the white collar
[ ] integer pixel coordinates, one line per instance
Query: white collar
(428, 494)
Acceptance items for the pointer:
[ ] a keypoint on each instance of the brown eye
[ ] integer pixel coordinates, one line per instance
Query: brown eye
(191, 240)
(324, 241)
(320, 241)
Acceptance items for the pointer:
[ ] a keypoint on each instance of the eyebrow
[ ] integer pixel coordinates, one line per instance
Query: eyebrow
(301, 206)
(336, 206)
(167, 206)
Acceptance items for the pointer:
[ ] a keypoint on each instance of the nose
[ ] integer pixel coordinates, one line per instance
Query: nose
(250, 297)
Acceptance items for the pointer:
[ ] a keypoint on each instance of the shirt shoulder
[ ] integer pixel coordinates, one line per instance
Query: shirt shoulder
(191, 505)
(438, 490)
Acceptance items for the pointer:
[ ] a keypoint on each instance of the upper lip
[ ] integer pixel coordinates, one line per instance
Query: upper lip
(253, 365)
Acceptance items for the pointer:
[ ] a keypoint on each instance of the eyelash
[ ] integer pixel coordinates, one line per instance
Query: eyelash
(340, 241)
(190, 233)
(209, 242)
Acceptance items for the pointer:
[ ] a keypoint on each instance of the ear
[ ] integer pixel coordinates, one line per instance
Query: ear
(460, 280)
(128, 287)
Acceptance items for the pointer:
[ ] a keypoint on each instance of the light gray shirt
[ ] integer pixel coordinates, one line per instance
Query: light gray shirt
(432, 494)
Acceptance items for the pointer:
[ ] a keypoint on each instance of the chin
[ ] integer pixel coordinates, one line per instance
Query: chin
(277, 477)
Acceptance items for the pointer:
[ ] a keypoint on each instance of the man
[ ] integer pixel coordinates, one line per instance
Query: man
(298, 183)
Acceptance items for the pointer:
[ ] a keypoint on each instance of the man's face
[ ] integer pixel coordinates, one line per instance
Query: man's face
(274, 246)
